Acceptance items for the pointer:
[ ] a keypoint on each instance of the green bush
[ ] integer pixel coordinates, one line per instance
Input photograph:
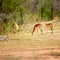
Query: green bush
(8, 27)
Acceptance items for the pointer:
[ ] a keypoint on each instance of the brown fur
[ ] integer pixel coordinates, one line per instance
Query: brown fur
(37, 26)
(15, 27)
(49, 26)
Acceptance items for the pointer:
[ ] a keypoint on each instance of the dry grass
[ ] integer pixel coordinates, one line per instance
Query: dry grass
(24, 46)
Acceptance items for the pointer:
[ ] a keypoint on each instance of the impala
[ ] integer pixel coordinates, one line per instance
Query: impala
(49, 27)
(36, 26)
(15, 27)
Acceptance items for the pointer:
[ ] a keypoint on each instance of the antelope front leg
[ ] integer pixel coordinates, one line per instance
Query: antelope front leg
(51, 30)
(33, 30)
(41, 31)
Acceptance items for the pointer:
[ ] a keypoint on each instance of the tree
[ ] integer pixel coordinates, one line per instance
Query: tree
(0, 6)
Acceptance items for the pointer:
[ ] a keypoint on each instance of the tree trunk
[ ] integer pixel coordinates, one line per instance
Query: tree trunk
(41, 12)
(52, 13)
(21, 17)
(0, 6)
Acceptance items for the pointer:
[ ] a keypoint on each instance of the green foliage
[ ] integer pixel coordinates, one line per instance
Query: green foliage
(22, 10)
(58, 13)
(1, 27)
(18, 5)
(47, 10)
(47, 13)
(10, 5)
(8, 27)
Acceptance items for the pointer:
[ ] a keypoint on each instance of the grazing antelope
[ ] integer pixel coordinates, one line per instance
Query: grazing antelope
(49, 26)
(15, 27)
(37, 26)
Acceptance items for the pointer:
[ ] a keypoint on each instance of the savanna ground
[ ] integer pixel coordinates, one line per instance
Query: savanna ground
(24, 46)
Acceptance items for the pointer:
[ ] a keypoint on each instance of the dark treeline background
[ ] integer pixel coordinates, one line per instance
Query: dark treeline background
(25, 11)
